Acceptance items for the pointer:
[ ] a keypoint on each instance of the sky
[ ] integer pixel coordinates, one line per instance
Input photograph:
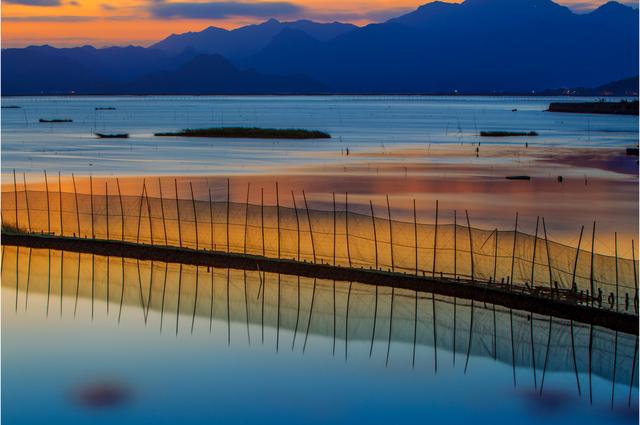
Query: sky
(143, 22)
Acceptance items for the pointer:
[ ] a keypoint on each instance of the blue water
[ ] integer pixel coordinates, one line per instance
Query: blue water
(356, 122)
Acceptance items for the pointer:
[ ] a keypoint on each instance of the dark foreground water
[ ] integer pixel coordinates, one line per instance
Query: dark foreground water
(90, 339)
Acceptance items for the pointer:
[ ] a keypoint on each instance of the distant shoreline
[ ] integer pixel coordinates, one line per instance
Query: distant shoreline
(332, 94)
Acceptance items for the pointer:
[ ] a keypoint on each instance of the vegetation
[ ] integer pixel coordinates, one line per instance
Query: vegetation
(601, 107)
(250, 133)
(507, 133)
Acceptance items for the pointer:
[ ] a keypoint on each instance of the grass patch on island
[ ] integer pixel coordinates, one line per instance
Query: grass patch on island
(507, 133)
(249, 133)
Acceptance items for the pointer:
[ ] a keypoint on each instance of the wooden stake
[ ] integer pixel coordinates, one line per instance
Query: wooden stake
(415, 239)
(346, 224)
(575, 264)
(175, 183)
(26, 198)
(435, 242)
(593, 244)
(246, 217)
(46, 185)
(306, 207)
(390, 234)
(533, 262)
(121, 209)
(195, 214)
(471, 249)
(513, 252)
(164, 222)
(295, 208)
(375, 236)
(278, 223)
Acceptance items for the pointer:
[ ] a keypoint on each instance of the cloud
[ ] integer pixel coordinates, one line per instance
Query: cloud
(223, 9)
(379, 15)
(47, 3)
(74, 3)
(107, 7)
(56, 18)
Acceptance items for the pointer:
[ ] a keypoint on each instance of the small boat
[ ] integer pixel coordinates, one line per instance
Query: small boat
(105, 108)
(632, 151)
(112, 135)
(11, 107)
(55, 120)
(518, 178)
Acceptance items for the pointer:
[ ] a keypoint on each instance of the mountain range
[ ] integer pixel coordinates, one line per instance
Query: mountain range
(478, 46)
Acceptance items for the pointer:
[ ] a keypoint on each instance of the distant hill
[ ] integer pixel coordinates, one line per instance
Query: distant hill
(624, 87)
(474, 47)
(247, 40)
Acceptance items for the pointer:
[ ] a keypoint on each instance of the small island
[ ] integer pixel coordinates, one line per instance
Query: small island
(507, 133)
(249, 133)
(623, 107)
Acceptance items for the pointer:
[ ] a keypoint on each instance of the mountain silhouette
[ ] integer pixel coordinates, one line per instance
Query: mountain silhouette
(478, 46)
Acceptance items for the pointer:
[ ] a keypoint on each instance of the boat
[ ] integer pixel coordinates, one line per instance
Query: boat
(105, 108)
(112, 135)
(518, 178)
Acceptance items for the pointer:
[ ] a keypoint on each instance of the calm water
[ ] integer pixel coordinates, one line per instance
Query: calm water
(357, 123)
(196, 345)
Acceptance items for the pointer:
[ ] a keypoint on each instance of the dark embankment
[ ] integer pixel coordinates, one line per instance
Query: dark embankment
(559, 303)
(249, 133)
(508, 133)
(615, 108)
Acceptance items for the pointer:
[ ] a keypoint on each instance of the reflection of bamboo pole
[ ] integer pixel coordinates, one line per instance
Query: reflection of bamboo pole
(575, 363)
(435, 334)
(615, 363)
(195, 214)
(15, 196)
(386, 363)
(346, 224)
(164, 222)
(633, 371)
(575, 264)
(466, 364)
(179, 293)
(306, 207)
(546, 356)
(415, 240)
(278, 223)
(390, 234)
(59, 200)
(415, 330)
(46, 185)
(546, 243)
(26, 199)
(533, 260)
(295, 208)
(175, 183)
(471, 248)
(533, 353)
(593, 244)
(346, 324)
(313, 296)
(513, 251)
(590, 363)
(195, 298)
(375, 236)
(435, 242)
(246, 218)
(121, 210)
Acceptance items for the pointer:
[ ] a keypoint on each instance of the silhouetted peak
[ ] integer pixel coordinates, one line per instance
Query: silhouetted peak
(612, 8)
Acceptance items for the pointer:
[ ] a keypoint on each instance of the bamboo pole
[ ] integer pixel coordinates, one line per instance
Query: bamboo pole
(390, 234)
(175, 183)
(471, 249)
(346, 224)
(93, 233)
(635, 275)
(246, 218)
(546, 243)
(195, 214)
(26, 198)
(278, 224)
(46, 185)
(140, 210)
(513, 251)
(495, 258)
(415, 240)
(211, 228)
(435, 242)
(261, 219)
(455, 245)
(164, 222)
(295, 208)
(228, 206)
(15, 197)
(59, 201)
(375, 236)
(306, 207)
(533, 260)
(575, 264)
(615, 239)
(121, 210)
(106, 200)
(593, 244)
(333, 194)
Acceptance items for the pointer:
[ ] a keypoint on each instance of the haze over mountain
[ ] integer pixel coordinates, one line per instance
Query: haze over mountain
(479, 46)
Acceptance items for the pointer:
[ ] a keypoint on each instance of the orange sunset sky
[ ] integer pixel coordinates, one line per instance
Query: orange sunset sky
(142, 22)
